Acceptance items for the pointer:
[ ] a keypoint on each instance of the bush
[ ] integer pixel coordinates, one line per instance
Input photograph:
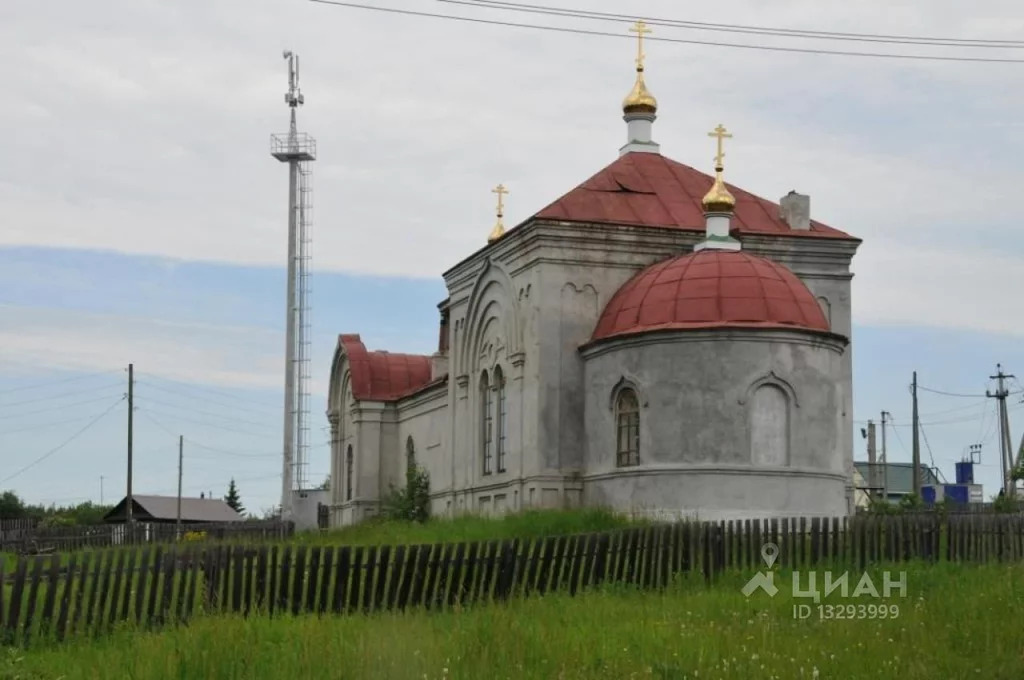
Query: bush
(411, 503)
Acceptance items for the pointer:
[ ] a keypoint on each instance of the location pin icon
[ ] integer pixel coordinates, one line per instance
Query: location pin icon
(769, 553)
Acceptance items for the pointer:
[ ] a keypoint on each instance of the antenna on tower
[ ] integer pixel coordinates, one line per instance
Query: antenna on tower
(298, 150)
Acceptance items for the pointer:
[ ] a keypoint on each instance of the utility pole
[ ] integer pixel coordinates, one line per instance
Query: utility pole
(872, 461)
(131, 408)
(885, 460)
(1005, 446)
(101, 489)
(917, 442)
(177, 521)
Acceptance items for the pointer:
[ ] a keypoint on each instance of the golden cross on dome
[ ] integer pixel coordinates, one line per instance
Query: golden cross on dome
(721, 134)
(499, 226)
(640, 28)
(501, 191)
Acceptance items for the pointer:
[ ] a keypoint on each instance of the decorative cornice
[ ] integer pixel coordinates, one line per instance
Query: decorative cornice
(831, 341)
(718, 469)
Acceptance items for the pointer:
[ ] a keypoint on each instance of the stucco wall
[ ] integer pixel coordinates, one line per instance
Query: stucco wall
(696, 391)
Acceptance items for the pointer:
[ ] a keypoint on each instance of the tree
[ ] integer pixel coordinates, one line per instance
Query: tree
(411, 503)
(326, 484)
(233, 499)
(11, 506)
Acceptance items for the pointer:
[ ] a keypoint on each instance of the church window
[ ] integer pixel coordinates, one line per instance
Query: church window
(410, 455)
(769, 426)
(348, 473)
(627, 423)
(499, 383)
(486, 422)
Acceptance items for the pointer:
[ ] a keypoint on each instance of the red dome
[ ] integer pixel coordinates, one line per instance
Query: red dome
(711, 289)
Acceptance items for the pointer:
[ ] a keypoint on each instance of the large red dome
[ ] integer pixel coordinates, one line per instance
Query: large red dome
(711, 289)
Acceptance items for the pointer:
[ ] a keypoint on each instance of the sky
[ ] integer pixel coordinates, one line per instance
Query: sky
(144, 220)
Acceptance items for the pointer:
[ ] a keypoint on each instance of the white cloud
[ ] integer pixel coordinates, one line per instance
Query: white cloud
(147, 132)
(231, 356)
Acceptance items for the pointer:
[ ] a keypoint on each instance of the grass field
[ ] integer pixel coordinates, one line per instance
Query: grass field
(956, 622)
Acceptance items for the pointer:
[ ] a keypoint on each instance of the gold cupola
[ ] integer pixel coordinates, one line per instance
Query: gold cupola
(640, 99)
(499, 225)
(718, 199)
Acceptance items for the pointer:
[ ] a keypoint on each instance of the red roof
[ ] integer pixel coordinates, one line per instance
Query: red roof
(383, 376)
(649, 190)
(711, 289)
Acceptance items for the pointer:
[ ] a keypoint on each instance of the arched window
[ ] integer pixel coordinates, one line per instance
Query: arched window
(486, 417)
(348, 473)
(769, 426)
(410, 455)
(499, 384)
(627, 426)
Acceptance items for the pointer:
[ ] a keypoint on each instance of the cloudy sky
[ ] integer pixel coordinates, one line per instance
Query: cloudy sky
(144, 220)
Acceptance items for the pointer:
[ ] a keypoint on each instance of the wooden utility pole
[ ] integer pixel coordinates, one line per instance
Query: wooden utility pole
(177, 522)
(101, 489)
(1005, 445)
(917, 442)
(131, 409)
(872, 461)
(885, 460)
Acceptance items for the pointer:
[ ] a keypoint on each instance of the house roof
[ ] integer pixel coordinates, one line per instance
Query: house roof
(383, 376)
(650, 190)
(900, 476)
(711, 289)
(192, 509)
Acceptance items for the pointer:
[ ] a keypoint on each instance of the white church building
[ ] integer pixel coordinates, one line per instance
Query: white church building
(655, 341)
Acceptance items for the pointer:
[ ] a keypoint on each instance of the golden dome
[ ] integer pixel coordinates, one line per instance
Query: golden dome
(640, 99)
(718, 199)
(496, 233)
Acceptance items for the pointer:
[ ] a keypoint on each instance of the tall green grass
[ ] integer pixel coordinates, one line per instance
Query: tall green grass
(956, 622)
(525, 524)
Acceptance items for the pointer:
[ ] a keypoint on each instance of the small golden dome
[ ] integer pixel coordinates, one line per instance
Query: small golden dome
(496, 233)
(718, 199)
(640, 99)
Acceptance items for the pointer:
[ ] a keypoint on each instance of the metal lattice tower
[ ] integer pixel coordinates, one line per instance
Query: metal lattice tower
(298, 150)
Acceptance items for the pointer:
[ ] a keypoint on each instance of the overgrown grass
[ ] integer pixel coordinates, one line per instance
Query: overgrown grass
(956, 622)
(526, 524)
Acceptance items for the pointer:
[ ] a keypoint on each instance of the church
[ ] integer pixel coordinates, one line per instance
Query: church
(656, 341)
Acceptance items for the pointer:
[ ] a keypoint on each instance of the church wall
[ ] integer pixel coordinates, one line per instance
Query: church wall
(423, 418)
(696, 392)
(824, 267)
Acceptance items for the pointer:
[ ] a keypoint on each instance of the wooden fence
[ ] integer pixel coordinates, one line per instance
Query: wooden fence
(46, 599)
(42, 540)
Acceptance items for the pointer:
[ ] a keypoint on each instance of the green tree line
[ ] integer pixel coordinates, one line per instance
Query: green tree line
(13, 506)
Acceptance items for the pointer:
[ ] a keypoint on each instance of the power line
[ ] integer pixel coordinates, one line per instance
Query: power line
(58, 407)
(206, 399)
(148, 416)
(581, 31)
(175, 416)
(181, 385)
(52, 397)
(951, 394)
(43, 426)
(61, 381)
(54, 450)
(740, 28)
(202, 412)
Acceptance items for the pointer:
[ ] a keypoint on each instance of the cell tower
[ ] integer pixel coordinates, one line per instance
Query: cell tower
(298, 150)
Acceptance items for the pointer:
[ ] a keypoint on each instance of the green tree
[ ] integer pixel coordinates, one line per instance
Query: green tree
(233, 499)
(411, 503)
(11, 506)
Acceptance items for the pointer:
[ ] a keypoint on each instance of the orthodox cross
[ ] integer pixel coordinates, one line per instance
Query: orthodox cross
(640, 28)
(721, 134)
(501, 191)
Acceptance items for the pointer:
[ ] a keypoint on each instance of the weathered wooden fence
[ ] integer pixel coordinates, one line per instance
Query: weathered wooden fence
(93, 591)
(40, 539)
